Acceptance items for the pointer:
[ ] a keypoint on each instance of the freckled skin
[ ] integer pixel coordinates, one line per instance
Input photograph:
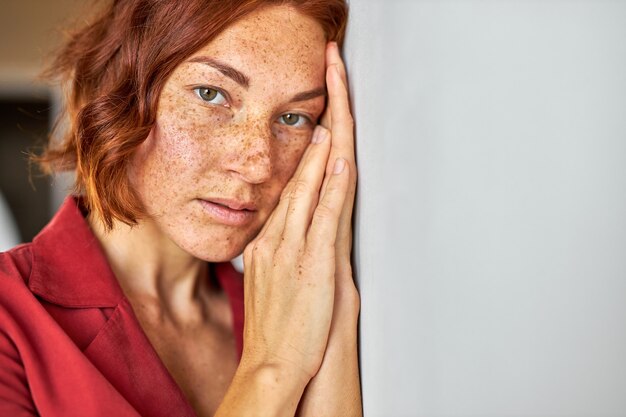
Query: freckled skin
(238, 150)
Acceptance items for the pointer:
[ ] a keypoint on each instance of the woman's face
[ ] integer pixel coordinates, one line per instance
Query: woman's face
(233, 121)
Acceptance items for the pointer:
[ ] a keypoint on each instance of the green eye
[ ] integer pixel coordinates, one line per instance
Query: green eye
(290, 119)
(210, 95)
(207, 94)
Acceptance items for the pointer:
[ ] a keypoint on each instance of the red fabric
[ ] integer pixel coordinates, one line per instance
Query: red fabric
(70, 344)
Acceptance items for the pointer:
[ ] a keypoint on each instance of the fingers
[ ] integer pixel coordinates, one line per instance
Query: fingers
(301, 192)
(290, 218)
(333, 57)
(305, 187)
(276, 220)
(342, 127)
(342, 124)
(323, 231)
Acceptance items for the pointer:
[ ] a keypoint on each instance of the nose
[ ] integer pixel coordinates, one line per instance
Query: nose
(251, 154)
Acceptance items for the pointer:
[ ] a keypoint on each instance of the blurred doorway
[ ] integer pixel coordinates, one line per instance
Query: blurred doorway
(24, 126)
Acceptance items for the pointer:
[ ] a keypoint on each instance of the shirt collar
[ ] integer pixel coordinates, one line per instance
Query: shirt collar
(69, 265)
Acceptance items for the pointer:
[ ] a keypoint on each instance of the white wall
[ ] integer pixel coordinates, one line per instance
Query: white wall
(491, 217)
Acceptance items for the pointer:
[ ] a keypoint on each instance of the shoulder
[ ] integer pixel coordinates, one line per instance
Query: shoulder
(16, 298)
(15, 302)
(15, 271)
(16, 265)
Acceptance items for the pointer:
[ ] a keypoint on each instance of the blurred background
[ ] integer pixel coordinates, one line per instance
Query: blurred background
(29, 31)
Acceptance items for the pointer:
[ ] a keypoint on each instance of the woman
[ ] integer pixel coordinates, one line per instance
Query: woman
(194, 138)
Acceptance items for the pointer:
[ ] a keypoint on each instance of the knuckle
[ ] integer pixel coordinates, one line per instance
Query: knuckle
(334, 190)
(300, 190)
(286, 191)
(324, 212)
(322, 259)
(285, 254)
(256, 248)
(263, 244)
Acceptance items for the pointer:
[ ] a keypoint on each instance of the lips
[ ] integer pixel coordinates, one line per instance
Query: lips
(229, 212)
(233, 204)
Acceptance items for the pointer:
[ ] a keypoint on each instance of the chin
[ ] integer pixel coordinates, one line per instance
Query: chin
(222, 249)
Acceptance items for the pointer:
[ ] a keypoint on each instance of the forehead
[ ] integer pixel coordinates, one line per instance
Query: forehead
(277, 41)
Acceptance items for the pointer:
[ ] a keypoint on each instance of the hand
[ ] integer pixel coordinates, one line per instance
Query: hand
(338, 118)
(290, 268)
(335, 390)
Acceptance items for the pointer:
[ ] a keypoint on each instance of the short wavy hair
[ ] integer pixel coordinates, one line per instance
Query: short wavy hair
(115, 68)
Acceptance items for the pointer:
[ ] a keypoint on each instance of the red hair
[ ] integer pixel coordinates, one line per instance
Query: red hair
(116, 67)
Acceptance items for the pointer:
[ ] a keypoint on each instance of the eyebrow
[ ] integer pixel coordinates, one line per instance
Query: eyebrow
(237, 76)
(308, 95)
(243, 80)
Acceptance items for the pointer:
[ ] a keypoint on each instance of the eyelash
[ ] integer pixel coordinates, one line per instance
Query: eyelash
(224, 96)
(225, 99)
(305, 120)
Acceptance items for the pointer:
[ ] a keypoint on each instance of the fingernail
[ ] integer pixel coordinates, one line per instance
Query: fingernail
(319, 135)
(340, 164)
(316, 134)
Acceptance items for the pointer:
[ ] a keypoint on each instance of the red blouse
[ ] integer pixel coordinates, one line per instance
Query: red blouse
(70, 344)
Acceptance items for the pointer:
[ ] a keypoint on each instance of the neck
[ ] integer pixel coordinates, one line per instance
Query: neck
(149, 266)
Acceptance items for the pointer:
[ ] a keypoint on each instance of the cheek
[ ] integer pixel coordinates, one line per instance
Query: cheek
(172, 157)
(177, 118)
(189, 137)
(288, 158)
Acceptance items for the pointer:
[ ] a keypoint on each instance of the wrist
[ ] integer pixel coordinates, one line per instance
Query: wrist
(347, 308)
(263, 390)
(275, 375)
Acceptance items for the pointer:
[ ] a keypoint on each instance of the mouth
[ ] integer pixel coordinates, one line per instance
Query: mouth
(233, 204)
(229, 212)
